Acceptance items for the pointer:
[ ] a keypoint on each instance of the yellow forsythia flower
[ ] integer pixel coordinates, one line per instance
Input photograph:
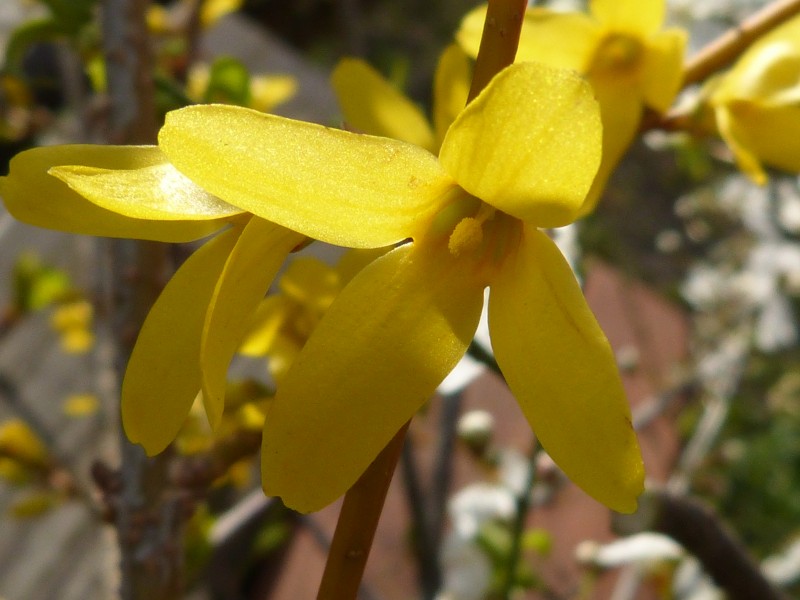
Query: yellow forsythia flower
(757, 104)
(521, 156)
(621, 50)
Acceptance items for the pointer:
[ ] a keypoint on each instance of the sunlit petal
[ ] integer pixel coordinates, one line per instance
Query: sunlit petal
(371, 104)
(335, 186)
(450, 89)
(35, 197)
(738, 140)
(157, 192)
(643, 17)
(163, 375)
(621, 112)
(248, 273)
(662, 69)
(562, 371)
(378, 354)
(529, 144)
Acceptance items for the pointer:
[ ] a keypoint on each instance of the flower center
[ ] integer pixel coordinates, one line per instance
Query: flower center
(467, 235)
(474, 233)
(617, 53)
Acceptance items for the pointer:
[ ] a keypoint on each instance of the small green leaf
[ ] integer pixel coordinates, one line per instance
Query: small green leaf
(229, 82)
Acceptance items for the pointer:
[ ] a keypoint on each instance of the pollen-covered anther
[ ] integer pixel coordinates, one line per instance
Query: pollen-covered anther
(467, 236)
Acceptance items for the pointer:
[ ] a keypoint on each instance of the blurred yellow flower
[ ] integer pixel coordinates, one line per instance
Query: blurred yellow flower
(81, 405)
(621, 50)
(757, 103)
(285, 320)
(20, 445)
(371, 104)
(73, 322)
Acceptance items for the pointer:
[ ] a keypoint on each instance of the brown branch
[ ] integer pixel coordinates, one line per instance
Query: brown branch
(499, 41)
(358, 520)
(726, 48)
(698, 529)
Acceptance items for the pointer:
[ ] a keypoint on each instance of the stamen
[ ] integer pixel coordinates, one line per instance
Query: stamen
(468, 233)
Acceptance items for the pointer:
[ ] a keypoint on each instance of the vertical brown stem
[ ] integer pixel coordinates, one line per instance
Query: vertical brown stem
(148, 523)
(499, 41)
(358, 520)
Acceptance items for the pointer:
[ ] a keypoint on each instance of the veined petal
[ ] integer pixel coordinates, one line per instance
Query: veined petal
(248, 273)
(373, 105)
(158, 192)
(529, 144)
(163, 375)
(643, 17)
(339, 187)
(33, 196)
(450, 89)
(562, 371)
(563, 40)
(621, 113)
(378, 354)
(663, 68)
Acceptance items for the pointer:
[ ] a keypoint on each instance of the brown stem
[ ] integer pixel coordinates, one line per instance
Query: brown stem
(498, 43)
(358, 520)
(726, 48)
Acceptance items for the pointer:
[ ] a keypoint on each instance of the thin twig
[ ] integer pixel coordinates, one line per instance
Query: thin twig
(726, 48)
(523, 504)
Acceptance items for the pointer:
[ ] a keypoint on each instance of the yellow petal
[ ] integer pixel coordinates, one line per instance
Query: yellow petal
(621, 113)
(335, 186)
(563, 40)
(762, 134)
(35, 197)
(310, 283)
(163, 375)
(268, 91)
(213, 10)
(158, 192)
(267, 321)
(248, 273)
(662, 70)
(529, 144)
(561, 369)
(643, 17)
(770, 67)
(471, 30)
(372, 105)
(378, 354)
(450, 89)
(740, 144)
